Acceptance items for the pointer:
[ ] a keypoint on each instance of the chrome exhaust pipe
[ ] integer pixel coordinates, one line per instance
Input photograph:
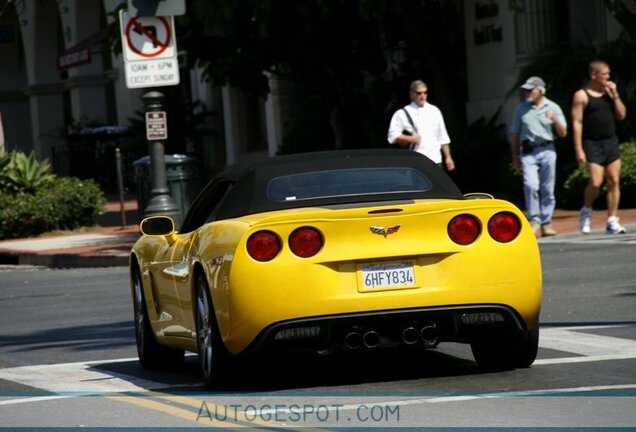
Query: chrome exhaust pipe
(353, 340)
(429, 335)
(371, 339)
(410, 336)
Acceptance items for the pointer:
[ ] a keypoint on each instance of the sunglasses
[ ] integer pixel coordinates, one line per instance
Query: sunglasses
(420, 92)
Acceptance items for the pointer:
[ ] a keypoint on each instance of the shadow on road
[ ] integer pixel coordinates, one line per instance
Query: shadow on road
(306, 371)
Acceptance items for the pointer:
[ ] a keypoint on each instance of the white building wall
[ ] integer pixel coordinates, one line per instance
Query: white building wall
(493, 59)
(39, 29)
(86, 83)
(128, 101)
(14, 106)
(490, 58)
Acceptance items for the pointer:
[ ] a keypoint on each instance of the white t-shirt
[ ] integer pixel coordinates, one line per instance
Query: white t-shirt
(429, 124)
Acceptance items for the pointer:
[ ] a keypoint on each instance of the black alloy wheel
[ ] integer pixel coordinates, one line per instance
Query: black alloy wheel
(215, 361)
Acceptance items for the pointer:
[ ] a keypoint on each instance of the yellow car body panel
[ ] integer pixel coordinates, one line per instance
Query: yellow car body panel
(249, 296)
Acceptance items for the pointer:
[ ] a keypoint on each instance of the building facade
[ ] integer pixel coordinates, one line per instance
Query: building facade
(503, 36)
(58, 73)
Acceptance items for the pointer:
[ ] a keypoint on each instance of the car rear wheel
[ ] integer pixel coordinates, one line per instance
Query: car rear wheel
(151, 354)
(214, 359)
(514, 351)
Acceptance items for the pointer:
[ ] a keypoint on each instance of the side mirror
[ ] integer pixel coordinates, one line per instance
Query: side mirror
(157, 226)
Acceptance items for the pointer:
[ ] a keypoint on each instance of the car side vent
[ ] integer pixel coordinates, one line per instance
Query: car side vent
(389, 210)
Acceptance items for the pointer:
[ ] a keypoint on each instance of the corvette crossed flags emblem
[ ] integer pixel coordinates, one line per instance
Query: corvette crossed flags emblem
(384, 231)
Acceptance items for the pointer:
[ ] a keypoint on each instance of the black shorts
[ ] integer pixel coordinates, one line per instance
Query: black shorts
(602, 152)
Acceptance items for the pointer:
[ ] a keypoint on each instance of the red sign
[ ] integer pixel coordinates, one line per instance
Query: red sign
(147, 38)
(72, 59)
(150, 32)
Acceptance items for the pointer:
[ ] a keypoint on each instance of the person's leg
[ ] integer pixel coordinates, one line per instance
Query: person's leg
(593, 187)
(613, 175)
(530, 171)
(547, 177)
(592, 190)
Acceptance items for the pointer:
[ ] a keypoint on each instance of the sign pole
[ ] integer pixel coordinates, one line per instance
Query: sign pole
(160, 203)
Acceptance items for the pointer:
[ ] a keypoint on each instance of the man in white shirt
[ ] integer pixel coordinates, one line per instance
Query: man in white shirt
(426, 133)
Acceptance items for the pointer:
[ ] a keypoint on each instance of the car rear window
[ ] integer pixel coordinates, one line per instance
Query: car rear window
(347, 182)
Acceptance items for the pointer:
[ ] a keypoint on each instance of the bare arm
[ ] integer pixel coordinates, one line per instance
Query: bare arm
(560, 129)
(448, 159)
(406, 140)
(579, 101)
(514, 150)
(619, 107)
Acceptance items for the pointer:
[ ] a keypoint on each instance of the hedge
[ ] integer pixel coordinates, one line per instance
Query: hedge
(65, 203)
(572, 194)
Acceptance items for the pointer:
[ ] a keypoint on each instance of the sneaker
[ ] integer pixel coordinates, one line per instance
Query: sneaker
(536, 228)
(547, 230)
(584, 221)
(613, 227)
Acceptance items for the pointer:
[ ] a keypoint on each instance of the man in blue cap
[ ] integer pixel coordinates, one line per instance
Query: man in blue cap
(536, 123)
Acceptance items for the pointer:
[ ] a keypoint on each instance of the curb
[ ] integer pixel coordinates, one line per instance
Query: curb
(60, 261)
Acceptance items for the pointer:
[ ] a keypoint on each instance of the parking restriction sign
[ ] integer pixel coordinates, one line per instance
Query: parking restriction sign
(156, 127)
(150, 50)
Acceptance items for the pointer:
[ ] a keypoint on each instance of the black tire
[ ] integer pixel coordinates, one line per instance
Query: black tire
(215, 361)
(151, 354)
(527, 346)
(506, 352)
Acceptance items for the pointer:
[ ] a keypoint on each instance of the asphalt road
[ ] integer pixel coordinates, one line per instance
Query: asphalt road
(67, 354)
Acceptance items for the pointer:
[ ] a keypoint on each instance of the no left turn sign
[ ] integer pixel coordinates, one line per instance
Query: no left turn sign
(149, 37)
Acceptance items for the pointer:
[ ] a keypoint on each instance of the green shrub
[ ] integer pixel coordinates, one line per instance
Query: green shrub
(22, 173)
(572, 195)
(64, 203)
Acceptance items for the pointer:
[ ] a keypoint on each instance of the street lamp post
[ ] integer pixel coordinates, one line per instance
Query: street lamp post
(160, 203)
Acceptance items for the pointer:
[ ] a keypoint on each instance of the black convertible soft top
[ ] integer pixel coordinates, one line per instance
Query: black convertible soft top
(249, 194)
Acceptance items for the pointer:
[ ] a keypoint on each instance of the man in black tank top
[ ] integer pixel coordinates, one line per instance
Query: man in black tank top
(595, 109)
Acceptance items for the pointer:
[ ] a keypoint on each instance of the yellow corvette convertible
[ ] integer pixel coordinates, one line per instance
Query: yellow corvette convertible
(342, 250)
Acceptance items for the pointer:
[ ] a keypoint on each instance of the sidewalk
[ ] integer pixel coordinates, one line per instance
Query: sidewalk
(108, 243)
(105, 245)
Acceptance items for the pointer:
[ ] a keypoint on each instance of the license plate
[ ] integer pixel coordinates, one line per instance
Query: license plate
(388, 275)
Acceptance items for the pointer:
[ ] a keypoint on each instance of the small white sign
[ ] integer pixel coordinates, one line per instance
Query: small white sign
(152, 73)
(156, 126)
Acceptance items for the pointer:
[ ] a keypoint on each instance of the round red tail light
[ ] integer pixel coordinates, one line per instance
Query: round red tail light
(305, 242)
(464, 229)
(504, 227)
(263, 245)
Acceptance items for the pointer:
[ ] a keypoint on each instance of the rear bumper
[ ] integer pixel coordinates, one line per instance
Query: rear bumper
(385, 329)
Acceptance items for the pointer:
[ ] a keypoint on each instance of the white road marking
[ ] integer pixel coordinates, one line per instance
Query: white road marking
(73, 380)
(588, 347)
(547, 392)
(83, 378)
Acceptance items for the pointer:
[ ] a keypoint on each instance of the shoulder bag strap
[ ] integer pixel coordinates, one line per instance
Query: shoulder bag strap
(411, 146)
(410, 119)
